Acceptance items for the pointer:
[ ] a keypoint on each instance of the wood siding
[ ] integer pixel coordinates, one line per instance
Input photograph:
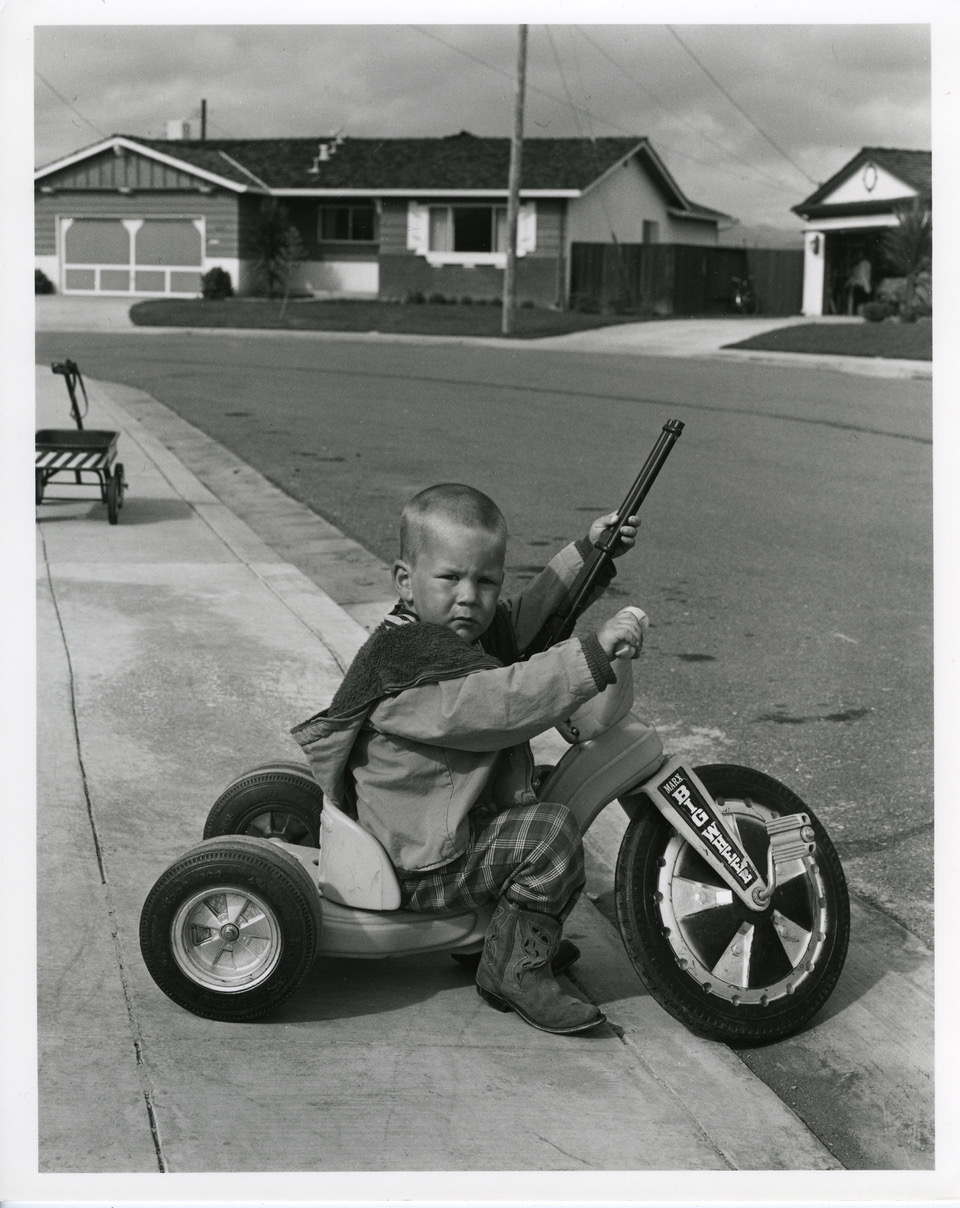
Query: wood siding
(127, 170)
(219, 210)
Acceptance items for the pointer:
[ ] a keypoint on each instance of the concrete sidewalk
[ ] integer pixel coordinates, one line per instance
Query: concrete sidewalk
(662, 338)
(176, 648)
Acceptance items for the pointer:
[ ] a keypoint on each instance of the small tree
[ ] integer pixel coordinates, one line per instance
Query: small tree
(279, 247)
(295, 252)
(909, 248)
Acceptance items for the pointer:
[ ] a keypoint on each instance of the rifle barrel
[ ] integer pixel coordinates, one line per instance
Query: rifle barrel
(561, 624)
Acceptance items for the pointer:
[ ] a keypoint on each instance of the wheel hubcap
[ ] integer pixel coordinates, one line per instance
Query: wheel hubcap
(226, 939)
(279, 824)
(744, 956)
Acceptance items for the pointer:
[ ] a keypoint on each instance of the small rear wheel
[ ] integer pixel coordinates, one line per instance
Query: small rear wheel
(726, 971)
(231, 929)
(121, 483)
(40, 484)
(278, 800)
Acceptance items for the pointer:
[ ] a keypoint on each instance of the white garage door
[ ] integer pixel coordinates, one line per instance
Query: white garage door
(131, 255)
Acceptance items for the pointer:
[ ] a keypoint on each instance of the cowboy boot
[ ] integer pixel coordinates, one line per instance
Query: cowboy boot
(515, 973)
(567, 954)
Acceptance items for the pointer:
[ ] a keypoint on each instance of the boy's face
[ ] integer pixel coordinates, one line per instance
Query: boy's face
(455, 577)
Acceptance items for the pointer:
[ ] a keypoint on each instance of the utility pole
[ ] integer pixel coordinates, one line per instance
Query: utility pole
(203, 121)
(513, 203)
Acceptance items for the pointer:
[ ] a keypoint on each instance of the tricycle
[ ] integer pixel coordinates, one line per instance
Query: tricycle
(730, 898)
(84, 451)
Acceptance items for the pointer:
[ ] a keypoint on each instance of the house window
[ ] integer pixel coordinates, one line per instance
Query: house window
(651, 231)
(468, 229)
(356, 224)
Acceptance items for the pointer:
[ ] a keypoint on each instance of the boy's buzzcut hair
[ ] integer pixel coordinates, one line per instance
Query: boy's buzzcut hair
(450, 501)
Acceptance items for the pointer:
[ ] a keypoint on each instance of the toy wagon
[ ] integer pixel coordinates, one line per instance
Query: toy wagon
(90, 451)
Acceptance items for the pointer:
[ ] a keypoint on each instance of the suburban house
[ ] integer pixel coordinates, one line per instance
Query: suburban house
(844, 221)
(379, 218)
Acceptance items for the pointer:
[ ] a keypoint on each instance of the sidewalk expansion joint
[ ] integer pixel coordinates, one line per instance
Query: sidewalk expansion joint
(136, 1032)
(73, 712)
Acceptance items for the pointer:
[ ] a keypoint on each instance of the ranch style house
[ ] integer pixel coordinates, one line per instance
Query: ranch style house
(387, 218)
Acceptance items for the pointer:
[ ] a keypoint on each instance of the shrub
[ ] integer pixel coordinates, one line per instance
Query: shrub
(42, 283)
(466, 300)
(217, 284)
(876, 312)
(416, 297)
(438, 299)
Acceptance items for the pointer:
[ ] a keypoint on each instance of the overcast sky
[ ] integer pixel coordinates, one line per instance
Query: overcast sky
(748, 118)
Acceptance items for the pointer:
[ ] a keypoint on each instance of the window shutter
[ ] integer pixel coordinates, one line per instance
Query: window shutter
(418, 228)
(527, 228)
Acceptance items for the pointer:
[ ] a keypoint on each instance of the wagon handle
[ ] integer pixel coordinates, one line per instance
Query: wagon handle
(70, 370)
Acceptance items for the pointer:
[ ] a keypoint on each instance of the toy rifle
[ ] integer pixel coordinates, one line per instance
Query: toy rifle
(560, 625)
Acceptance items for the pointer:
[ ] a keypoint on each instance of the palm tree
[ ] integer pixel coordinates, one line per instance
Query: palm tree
(909, 248)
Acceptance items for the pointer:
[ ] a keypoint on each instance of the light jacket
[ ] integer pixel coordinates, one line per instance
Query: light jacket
(412, 764)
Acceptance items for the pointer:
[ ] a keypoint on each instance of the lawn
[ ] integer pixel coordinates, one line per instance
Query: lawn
(909, 341)
(427, 318)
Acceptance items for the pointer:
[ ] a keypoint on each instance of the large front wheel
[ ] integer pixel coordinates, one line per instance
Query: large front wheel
(231, 928)
(726, 971)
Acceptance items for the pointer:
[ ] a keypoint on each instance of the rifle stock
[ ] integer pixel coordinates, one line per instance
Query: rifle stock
(560, 624)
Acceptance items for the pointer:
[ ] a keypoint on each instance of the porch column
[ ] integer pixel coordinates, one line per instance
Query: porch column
(814, 261)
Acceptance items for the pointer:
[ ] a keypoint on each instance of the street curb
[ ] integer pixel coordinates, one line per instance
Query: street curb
(868, 366)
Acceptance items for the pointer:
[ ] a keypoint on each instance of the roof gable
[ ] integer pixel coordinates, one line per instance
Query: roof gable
(874, 176)
(121, 161)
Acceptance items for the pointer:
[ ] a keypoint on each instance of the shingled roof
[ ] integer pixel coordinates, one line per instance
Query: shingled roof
(914, 168)
(458, 162)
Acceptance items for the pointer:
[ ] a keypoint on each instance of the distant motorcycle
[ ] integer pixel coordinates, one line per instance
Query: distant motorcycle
(731, 900)
(745, 299)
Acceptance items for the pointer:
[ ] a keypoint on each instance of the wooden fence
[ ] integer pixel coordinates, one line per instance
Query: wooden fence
(682, 279)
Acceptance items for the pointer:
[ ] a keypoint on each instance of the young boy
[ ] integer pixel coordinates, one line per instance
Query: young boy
(426, 741)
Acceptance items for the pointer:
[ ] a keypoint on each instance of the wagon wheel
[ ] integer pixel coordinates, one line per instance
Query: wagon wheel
(113, 499)
(41, 483)
(118, 474)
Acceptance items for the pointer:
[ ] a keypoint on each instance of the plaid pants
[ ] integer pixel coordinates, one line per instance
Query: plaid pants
(531, 854)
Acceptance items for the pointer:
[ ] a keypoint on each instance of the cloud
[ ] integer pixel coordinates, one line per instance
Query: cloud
(818, 92)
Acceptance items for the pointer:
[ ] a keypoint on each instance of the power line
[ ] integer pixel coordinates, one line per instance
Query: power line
(70, 105)
(736, 104)
(566, 88)
(591, 117)
(530, 87)
(682, 120)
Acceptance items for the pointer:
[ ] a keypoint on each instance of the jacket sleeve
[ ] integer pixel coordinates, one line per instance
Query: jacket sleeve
(545, 592)
(497, 708)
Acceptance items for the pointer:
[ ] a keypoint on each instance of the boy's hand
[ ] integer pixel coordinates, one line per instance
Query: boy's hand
(622, 636)
(628, 534)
